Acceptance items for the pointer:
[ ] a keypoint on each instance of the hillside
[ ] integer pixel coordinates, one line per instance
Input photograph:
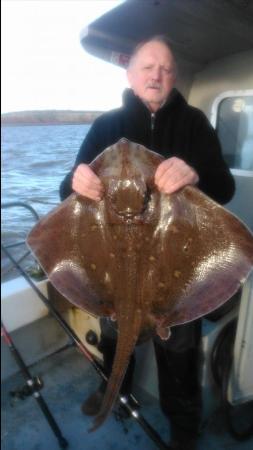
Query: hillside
(50, 117)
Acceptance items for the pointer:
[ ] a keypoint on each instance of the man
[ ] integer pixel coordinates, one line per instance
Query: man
(155, 115)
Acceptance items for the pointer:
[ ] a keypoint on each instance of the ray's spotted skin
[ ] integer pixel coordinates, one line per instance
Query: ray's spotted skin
(146, 259)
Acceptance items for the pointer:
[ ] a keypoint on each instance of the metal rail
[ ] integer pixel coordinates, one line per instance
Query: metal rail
(22, 205)
(19, 243)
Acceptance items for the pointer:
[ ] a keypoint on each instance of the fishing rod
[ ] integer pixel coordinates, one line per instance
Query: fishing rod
(33, 387)
(124, 401)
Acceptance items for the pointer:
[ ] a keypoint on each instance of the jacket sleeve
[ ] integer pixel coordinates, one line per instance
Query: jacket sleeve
(89, 149)
(215, 178)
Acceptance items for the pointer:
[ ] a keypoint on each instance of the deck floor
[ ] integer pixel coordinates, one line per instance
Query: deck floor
(68, 379)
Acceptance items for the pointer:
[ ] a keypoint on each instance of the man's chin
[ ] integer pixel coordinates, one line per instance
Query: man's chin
(154, 99)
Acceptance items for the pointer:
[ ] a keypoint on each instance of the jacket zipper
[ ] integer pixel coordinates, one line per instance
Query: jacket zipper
(152, 129)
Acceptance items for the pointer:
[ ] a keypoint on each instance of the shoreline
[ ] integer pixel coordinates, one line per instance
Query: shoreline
(33, 124)
(49, 117)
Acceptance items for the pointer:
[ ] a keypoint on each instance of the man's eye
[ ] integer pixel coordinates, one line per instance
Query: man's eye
(168, 70)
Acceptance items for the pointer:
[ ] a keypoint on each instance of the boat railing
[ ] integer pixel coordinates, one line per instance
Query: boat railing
(35, 270)
(23, 205)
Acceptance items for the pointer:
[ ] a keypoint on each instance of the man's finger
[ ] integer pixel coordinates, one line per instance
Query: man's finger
(171, 176)
(84, 171)
(162, 168)
(176, 184)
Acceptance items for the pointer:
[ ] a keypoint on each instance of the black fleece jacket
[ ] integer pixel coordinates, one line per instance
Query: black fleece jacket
(176, 129)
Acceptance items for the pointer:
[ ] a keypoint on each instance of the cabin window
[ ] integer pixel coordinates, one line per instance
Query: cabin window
(234, 126)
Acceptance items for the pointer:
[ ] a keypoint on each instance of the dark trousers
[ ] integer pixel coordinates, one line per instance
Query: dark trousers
(178, 373)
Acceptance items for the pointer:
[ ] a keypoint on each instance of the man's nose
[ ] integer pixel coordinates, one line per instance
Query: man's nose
(156, 73)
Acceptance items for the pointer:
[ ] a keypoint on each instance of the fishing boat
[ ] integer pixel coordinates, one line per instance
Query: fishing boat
(213, 44)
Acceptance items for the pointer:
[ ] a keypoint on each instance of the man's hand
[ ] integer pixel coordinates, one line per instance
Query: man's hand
(173, 174)
(85, 182)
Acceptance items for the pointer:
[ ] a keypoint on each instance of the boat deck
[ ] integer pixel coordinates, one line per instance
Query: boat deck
(68, 379)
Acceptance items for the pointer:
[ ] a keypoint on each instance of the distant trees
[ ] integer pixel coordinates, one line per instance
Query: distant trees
(49, 117)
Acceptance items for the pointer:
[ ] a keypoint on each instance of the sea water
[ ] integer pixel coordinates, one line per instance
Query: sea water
(35, 160)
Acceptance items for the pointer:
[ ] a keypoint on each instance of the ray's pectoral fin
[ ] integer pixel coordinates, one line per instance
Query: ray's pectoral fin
(215, 260)
(73, 282)
(63, 243)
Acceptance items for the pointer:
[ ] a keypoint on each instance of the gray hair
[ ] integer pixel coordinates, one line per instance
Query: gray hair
(162, 38)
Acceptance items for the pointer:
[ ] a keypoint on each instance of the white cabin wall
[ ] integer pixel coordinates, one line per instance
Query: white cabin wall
(232, 73)
(184, 79)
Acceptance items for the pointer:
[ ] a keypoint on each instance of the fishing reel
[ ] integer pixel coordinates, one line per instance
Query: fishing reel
(32, 385)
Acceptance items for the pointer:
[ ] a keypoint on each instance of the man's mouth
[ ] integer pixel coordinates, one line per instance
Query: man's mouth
(154, 86)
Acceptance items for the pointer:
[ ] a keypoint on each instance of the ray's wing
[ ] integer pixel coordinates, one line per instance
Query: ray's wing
(72, 246)
(208, 253)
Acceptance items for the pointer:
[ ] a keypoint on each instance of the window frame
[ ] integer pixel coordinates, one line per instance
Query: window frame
(214, 118)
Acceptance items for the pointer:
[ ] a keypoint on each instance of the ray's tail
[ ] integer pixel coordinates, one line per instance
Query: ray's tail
(128, 335)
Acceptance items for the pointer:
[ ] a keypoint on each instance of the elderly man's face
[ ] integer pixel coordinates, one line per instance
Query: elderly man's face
(152, 74)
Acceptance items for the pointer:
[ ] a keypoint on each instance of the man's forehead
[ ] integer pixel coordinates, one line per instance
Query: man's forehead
(152, 51)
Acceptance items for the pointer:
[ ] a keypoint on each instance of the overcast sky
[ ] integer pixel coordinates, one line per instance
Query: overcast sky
(43, 63)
